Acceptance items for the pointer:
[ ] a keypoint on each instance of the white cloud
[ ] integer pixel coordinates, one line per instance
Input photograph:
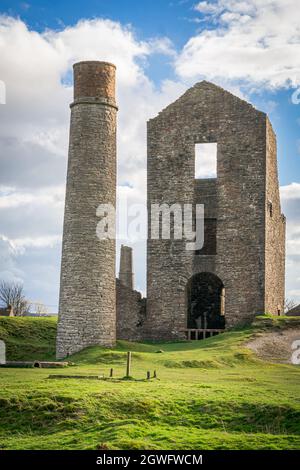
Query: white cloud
(205, 7)
(290, 191)
(9, 268)
(37, 70)
(290, 197)
(206, 160)
(250, 43)
(12, 198)
(256, 42)
(294, 293)
(216, 8)
(20, 244)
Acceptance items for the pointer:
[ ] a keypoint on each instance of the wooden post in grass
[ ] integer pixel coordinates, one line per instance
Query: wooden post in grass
(111, 373)
(128, 367)
(148, 375)
(154, 374)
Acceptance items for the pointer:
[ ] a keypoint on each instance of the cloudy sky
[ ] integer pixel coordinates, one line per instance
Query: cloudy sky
(161, 48)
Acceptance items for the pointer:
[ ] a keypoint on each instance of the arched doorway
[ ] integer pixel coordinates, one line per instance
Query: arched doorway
(205, 302)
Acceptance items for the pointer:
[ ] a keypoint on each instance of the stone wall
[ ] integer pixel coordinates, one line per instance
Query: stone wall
(131, 311)
(206, 193)
(208, 114)
(126, 269)
(294, 312)
(275, 233)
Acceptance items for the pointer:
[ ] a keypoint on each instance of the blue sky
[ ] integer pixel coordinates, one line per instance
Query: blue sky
(175, 20)
(149, 18)
(161, 48)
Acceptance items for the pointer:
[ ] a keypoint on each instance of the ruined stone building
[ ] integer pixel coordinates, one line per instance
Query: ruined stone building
(131, 307)
(294, 312)
(237, 274)
(242, 261)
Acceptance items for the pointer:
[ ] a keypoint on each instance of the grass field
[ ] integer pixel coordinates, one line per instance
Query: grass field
(212, 394)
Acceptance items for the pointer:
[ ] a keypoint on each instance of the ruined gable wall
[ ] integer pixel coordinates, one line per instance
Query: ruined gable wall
(275, 232)
(207, 113)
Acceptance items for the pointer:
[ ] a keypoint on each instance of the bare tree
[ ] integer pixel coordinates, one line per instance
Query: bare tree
(39, 308)
(12, 294)
(288, 305)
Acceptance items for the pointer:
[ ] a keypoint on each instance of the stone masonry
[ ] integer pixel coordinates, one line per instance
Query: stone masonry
(294, 312)
(131, 312)
(87, 307)
(126, 273)
(131, 306)
(244, 227)
(237, 274)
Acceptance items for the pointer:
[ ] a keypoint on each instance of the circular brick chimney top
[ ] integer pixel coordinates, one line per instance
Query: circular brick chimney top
(94, 79)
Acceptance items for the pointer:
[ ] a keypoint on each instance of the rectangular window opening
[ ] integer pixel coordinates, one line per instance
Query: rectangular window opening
(206, 161)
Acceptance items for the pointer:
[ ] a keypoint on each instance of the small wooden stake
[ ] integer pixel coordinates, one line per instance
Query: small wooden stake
(111, 373)
(148, 375)
(128, 367)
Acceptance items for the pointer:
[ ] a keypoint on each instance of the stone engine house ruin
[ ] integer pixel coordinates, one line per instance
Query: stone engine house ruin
(240, 270)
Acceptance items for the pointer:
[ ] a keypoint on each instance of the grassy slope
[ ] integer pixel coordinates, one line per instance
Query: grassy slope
(212, 394)
(28, 338)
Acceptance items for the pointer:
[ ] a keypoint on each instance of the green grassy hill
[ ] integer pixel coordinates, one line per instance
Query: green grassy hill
(29, 338)
(212, 394)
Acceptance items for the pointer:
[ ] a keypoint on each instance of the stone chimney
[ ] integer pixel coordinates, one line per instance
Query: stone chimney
(126, 275)
(87, 307)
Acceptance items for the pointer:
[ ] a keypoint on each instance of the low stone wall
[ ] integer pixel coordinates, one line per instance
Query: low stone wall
(131, 312)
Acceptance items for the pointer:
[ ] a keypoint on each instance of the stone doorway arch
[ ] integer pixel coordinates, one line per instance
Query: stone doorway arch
(205, 302)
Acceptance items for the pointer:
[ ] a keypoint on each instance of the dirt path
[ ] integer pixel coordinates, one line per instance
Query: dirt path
(275, 346)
